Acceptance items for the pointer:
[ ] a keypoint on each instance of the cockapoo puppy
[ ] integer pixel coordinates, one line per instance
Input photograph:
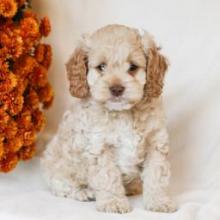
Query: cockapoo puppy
(113, 140)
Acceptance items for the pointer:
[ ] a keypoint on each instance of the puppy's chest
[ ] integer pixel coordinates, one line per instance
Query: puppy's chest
(121, 133)
(118, 132)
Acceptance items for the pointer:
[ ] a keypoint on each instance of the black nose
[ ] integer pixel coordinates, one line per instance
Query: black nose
(117, 90)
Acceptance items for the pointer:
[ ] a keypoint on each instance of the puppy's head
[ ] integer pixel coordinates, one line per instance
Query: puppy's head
(117, 67)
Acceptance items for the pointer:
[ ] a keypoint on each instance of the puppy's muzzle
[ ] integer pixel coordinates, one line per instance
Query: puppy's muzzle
(117, 90)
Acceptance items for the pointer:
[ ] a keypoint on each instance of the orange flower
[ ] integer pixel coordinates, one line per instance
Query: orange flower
(8, 162)
(24, 66)
(8, 81)
(32, 99)
(29, 27)
(3, 53)
(46, 95)
(24, 119)
(48, 103)
(1, 147)
(45, 27)
(39, 76)
(43, 54)
(29, 13)
(24, 85)
(8, 8)
(10, 130)
(4, 118)
(38, 119)
(14, 144)
(39, 53)
(12, 102)
(21, 85)
(27, 152)
(20, 2)
(29, 136)
(47, 56)
(30, 31)
(11, 43)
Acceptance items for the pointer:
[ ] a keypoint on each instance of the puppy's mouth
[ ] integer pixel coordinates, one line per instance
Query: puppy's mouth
(116, 99)
(118, 104)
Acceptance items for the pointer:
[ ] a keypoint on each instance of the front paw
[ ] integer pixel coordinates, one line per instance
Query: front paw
(114, 205)
(84, 195)
(160, 204)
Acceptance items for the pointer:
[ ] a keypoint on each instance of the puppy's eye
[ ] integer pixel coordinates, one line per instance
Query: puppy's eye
(132, 68)
(101, 67)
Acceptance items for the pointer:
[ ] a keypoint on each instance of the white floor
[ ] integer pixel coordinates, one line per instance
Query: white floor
(24, 195)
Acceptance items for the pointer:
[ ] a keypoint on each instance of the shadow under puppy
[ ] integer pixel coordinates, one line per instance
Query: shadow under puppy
(113, 140)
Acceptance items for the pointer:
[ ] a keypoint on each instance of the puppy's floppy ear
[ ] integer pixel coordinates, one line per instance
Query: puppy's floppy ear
(77, 68)
(156, 68)
(157, 65)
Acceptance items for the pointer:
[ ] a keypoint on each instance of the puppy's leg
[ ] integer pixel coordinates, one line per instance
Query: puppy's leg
(156, 175)
(68, 184)
(106, 180)
(71, 189)
(65, 177)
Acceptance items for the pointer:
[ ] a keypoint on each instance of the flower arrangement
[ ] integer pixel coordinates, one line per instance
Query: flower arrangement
(24, 86)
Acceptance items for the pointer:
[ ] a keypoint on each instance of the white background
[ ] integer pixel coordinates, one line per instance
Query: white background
(189, 33)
